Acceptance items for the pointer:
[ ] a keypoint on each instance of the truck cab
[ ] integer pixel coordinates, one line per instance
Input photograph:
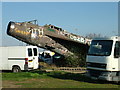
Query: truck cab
(103, 59)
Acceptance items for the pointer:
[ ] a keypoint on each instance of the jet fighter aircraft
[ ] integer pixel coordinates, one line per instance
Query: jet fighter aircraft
(48, 37)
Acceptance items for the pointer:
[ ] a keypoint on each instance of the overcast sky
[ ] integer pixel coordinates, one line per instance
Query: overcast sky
(80, 18)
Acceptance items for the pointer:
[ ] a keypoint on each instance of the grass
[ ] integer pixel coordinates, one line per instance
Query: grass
(54, 79)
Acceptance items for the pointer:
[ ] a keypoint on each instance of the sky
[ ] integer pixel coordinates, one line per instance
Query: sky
(80, 18)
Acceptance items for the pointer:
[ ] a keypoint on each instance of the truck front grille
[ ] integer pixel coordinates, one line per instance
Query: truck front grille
(94, 73)
(97, 65)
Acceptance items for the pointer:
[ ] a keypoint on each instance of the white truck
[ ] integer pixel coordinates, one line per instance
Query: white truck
(17, 58)
(103, 59)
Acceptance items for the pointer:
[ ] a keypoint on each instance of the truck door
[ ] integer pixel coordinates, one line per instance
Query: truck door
(117, 53)
(35, 58)
(30, 58)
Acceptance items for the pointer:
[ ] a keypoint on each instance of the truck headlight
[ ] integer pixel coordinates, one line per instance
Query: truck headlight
(88, 64)
(106, 74)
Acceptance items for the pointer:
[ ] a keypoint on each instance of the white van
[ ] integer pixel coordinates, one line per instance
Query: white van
(17, 58)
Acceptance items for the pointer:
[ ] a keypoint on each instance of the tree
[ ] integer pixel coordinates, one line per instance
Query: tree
(94, 35)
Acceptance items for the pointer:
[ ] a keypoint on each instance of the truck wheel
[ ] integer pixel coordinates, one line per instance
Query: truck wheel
(16, 69)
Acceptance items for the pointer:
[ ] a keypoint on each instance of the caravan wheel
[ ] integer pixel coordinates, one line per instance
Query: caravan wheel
(16, 69)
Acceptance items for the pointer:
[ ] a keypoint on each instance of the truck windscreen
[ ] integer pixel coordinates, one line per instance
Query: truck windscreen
(100, 47)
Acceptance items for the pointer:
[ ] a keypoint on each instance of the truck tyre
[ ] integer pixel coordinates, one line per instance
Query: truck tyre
(16, 69)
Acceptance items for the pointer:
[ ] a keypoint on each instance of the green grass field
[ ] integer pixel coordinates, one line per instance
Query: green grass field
(54, 79)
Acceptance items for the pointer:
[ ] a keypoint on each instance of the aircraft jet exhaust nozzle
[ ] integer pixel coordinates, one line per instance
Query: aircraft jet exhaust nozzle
(10, 28)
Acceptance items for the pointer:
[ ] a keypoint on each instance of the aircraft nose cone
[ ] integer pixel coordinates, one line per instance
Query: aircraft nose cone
(11, 26)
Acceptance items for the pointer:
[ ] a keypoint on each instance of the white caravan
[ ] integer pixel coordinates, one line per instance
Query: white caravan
(17, 58)
(103, 59)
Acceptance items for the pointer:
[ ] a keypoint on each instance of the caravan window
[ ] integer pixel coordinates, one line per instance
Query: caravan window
(29, 52)
(35, 51)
